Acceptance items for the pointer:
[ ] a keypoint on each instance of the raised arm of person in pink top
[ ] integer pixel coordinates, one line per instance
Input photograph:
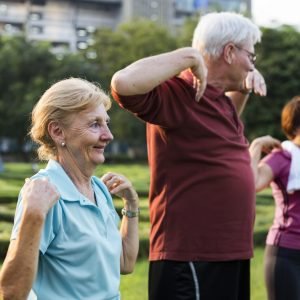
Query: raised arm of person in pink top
(263, 174)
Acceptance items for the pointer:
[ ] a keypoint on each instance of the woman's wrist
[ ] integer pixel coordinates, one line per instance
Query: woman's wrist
(130, 213)
(131, 205)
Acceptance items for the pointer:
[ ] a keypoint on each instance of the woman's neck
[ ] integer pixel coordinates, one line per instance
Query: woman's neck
(296, 140)
(81, 177)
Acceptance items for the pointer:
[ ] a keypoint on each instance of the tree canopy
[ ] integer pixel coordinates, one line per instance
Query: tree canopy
(278, 60)
(27, 69)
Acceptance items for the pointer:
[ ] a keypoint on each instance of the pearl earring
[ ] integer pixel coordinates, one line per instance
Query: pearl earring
(63, 144)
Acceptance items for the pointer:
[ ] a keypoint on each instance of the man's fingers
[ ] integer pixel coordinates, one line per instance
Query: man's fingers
(255, 81)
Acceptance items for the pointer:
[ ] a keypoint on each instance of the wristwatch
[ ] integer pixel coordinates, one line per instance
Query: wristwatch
(130, 213)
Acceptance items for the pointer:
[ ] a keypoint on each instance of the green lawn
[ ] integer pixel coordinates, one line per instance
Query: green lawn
(134, 286)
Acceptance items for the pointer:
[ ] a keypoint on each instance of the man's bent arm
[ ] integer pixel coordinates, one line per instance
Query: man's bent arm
(145, 74)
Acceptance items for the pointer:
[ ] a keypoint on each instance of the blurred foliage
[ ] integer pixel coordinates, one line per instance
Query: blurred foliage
(117, 49)
(27, 69)
(278, 60)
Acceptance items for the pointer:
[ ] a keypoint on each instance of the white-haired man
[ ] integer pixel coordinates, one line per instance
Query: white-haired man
(202, 190)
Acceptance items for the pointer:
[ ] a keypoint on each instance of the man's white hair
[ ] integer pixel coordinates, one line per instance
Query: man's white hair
(215, 30)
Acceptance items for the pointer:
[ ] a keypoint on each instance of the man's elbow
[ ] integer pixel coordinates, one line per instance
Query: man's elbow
(119, 83)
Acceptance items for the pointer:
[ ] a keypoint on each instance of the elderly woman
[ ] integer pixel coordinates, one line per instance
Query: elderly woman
(281, 169)
(65, 242)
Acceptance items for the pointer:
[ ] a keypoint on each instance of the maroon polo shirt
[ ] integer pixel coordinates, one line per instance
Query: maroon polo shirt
(202, 196)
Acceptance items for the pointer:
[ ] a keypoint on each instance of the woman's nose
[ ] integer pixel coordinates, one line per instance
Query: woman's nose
(107, 135)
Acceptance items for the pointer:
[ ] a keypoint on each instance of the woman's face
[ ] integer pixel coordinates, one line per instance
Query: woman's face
(86, 137)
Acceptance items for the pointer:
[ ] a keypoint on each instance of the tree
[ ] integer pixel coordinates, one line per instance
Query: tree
(115, 50)
(185, 33)
(278, 60)
(27, 69)
(24, 70)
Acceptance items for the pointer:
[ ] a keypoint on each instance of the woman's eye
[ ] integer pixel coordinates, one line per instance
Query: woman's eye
(94, 125)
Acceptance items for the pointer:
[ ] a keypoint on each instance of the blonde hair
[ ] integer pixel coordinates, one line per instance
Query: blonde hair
(61, 100)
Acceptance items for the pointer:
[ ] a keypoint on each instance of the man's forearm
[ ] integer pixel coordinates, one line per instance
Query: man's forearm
(239, 100)
(147, 73)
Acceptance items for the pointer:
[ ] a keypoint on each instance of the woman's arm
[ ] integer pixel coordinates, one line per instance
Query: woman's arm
(122, 187)
(20, 265)
(263, 173)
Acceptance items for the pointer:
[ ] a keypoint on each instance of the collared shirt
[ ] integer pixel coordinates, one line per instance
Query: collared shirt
(202, 195)
(80, 246)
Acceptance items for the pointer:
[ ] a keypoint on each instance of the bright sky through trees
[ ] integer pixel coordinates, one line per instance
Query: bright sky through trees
(276, 12)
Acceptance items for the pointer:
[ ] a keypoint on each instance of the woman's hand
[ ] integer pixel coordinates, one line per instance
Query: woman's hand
(266, 143)
(39, 195)
(120, 186)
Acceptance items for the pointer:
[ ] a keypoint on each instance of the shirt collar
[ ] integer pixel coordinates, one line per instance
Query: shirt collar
(211, 92)
(67, 189)
(65, 186)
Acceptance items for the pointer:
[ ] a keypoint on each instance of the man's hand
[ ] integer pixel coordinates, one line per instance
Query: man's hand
(255, 82)
(200, 77)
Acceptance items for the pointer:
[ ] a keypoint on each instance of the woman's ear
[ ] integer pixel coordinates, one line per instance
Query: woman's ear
(56, 132)
(228, 53)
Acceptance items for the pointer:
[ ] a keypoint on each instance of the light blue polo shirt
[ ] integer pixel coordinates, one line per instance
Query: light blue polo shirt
(80, 246)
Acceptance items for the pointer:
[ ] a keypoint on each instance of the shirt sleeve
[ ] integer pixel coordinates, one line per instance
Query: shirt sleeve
(165, 105)
(277, 161)
(49, 229)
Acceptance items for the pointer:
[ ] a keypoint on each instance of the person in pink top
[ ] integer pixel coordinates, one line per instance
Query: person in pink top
(282, 254)
(202, 195)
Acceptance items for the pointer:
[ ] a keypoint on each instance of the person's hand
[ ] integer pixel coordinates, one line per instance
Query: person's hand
(39, 195)
(200, 77)
(120, 186)
(255, 82)
(267, 143)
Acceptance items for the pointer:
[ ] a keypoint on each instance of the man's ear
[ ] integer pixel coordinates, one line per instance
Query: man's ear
(228, 53)
(56, 132)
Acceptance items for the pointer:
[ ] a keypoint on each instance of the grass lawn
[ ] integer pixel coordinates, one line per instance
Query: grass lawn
(134, 286)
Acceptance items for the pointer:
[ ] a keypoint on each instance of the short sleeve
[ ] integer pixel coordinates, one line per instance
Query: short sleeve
(166, 105)
(49, 229)
(277, 160)
(17, 219)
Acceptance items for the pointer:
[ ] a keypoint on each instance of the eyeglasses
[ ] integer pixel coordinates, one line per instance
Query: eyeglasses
(252, 56)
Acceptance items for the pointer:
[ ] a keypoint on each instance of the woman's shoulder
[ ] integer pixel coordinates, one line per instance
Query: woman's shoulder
(280, 154)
